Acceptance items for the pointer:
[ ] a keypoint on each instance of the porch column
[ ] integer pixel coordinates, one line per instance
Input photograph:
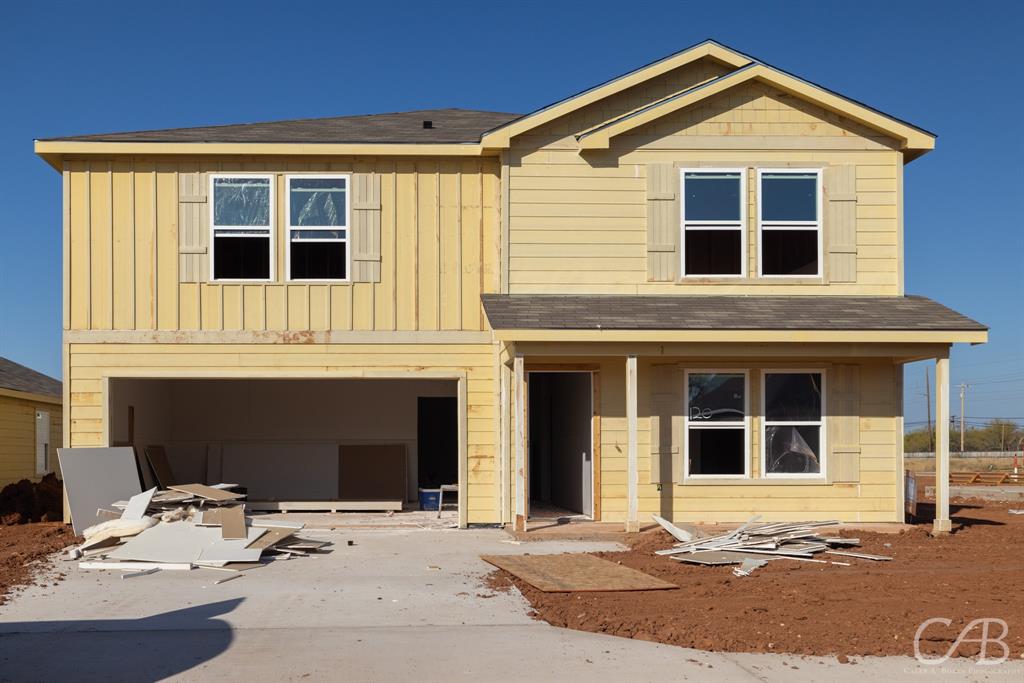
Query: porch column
(942, 524)
(519, 408)
(632, 507)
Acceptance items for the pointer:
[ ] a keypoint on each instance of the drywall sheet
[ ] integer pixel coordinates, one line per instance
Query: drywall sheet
(208, 492)
(295, 471)
(185, 542)
(138, 505)
(232, 522)
(96, 477)
(568, 573)
(372, 472)
(157, 457)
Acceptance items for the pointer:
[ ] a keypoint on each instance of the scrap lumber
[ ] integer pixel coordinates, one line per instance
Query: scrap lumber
(206, 492)
(232, 522)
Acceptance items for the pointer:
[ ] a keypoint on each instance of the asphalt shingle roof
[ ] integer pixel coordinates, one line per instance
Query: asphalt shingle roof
(19, 378)
(692, 312)
(447, 126)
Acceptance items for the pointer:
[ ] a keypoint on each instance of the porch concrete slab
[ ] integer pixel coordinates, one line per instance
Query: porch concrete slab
(398, 605)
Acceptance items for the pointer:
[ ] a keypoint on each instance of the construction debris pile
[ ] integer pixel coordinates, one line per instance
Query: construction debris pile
(752, 545)
(185, 527)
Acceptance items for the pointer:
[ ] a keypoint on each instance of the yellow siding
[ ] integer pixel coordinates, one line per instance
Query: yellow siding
(439, 238)
(577, 222)
(90, 363)
(18, 437)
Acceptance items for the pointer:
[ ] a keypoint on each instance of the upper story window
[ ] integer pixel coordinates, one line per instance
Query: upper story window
(318, 224)
(242, 211)
(716, 424)
(793, 439)
(789, 207)
(713, 213)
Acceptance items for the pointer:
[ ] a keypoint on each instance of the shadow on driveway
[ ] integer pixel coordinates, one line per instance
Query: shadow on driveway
(147, 649)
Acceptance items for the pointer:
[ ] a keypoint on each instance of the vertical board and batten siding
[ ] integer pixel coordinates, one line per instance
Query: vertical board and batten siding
(863, 444)
(607, 222)
(89, 364)
(139, 254)
(18, 437)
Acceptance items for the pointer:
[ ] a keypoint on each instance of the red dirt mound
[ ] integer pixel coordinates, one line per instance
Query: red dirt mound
(868, 608)
(26, 501)
(21, 546)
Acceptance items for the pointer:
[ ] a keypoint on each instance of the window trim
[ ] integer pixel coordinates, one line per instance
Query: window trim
(791, 225)
(288, 227)
(718, 425)
(713, 225)
(822, 424)
(211, 200)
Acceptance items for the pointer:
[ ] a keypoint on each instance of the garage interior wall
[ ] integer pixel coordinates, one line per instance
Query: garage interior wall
(274, 436)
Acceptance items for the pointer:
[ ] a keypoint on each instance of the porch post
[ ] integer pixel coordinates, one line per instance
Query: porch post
(632, 512)
(942, 524)
(519, 380)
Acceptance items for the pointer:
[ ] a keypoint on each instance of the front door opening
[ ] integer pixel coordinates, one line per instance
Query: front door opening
(561, 467)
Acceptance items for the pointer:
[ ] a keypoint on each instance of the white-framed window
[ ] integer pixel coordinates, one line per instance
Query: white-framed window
(713, 213)
(318, 227)
(717, 424)
(789, 222)
(793, 431)
(241, 227)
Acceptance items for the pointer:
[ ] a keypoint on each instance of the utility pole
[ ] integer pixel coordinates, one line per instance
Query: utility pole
(928, 407)
(963, 393)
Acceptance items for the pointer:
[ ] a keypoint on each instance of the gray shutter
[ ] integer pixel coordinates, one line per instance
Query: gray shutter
(840, 227)
(365, 239)
(666, 424)
(843, 409)
(662, 222)
(193, 227)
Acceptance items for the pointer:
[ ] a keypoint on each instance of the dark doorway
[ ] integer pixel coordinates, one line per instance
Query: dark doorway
(561, 456)
(437, 436)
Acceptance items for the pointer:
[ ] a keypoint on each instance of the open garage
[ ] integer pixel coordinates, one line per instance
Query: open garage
(300, 444)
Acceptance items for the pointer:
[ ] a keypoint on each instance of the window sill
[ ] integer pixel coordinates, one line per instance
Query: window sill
(761, 481)
(755, 280)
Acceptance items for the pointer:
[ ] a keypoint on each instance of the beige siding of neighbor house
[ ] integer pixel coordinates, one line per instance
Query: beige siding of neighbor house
(578, 221)
(18, 437)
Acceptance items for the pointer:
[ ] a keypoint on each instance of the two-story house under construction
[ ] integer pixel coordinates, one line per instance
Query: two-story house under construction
(679, 292)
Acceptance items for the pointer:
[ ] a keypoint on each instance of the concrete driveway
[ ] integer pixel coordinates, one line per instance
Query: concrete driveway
(398, 605)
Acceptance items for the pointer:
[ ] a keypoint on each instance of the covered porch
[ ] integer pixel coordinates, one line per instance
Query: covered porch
(663, 440)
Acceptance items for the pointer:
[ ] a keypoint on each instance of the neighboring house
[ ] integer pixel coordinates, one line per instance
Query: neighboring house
(30, 423)
(678, 292)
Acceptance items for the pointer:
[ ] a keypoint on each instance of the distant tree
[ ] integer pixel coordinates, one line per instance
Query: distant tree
(997, 435)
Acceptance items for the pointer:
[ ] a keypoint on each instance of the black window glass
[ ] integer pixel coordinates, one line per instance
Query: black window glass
(789, 197)
(792, 397)
(792, 450)
(318, 260)
(716, 451)
(713, 252)
(712, 197)
(717, 397)
(789, 252)
(241, 258)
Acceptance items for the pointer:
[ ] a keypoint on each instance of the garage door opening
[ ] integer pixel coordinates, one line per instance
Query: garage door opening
(295, 444)
(561, 462)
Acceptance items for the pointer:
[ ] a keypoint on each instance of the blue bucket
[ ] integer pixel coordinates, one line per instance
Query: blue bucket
(429, 499)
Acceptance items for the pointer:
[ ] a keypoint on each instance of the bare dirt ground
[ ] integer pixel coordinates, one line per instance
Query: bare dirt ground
(24, 551)
(868, 608)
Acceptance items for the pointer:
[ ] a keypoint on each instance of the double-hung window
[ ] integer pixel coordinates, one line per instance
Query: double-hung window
(793, 442)
(318, 225)
(716, 423)
(713, 213)
(241, 220)
(789, 208)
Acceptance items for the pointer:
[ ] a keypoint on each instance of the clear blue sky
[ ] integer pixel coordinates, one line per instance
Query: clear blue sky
(951, 68)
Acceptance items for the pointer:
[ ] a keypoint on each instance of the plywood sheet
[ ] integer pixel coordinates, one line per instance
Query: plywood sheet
(272, 536)
(371, 472)
(575, 572)
(96, 477)
(207, 492)
(232, 522)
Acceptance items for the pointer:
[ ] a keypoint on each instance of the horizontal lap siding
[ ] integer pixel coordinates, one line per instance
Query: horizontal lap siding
(91, 363)
(18, 437)
(578, 222)
(439, 237)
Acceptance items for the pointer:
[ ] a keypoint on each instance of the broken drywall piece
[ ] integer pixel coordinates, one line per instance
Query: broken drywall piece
(138, 504)
(748, 566)
(95, 476)
(160, 465)
(678, 533)
(207, 492)
(185, 542)
(861, 556)
(232, 522)
(169, 566)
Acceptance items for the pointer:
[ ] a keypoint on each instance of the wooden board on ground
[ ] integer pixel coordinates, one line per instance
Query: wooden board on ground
(575, 572)
(207, 492)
